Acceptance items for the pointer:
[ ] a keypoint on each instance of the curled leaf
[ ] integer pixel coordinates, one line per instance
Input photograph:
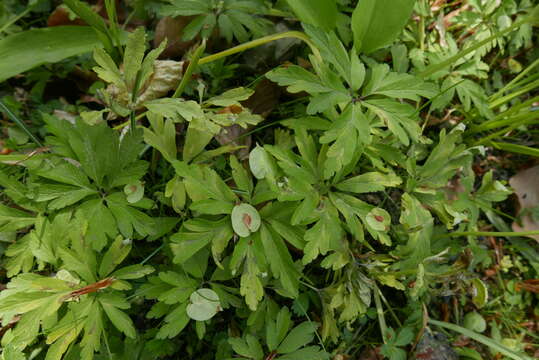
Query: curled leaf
(245, 220)
(379, 219)
(204, 305)
(134, 192)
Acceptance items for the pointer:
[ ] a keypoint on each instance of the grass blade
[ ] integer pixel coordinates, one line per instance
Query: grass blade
(482, 339)
(519, 149)
(20, 123)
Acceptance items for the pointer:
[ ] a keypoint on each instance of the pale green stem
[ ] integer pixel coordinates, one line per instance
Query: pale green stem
(380, 312)
(490, 233)
(261, 41)
(195, 60)
(511, 84)
(513, 95)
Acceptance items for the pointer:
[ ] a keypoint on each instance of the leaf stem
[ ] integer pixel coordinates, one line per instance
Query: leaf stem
(490, 233)
(194, 61)
(380, 312)
(262, 41)
(480, 338)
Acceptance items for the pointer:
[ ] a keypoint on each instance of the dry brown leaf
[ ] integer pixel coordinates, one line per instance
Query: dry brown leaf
(172, 29)
(526, 186)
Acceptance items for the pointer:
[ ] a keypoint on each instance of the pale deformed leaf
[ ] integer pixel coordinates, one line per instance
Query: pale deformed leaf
(204, 304)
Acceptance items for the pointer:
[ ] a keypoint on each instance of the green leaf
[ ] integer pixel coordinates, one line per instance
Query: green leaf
(133, 55)
(20, 257)
(86, 13)
(420, 222)
(118, 318)
(97, 149)
(250, 284)
(309, 352)
(260, 163)
(13, 219)
(479, 293)
(475, 322)
(396, 85)
(231, 97)
(241, 178)
(400, 118)
(132, 272)
(195, 141)
(107, 69)
(116, 253)
(212, 207)
(162, 136)
(369, 182)
(25, 50)
(322, 13)
(280, 261)
(204, 305)
(300, 336)
(325, 235)
(198, 233)
(176, 321)
(175, 109)
(277, 330)
(248, 347)
(404, 337)
(297, 79)
(100, 222)
(376, 23)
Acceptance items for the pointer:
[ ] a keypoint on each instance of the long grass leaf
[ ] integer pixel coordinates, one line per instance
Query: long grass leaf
(482, 339)
(19, 123)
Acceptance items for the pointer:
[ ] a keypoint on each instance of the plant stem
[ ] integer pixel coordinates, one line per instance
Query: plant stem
(480, 338)
(380, 312)
(261, 41)
(523, 90)
(513, 82)
(19, 122)
(194, 61)
(490, 233)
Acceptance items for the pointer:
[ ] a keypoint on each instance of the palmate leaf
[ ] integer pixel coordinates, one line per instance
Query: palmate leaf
(169, 288)
(298, 337)
(397, 85)
(249, 347)
(309, 352)
(349, 134)
(250, 285)
(400, 118)
(162, 136)
(20, 257)
(280, 261)
(297, 79)
(420, 222)
(13, 219)
(112, 305)
(369, 182)
(324, 236)
(196, 234)
(133, 55)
